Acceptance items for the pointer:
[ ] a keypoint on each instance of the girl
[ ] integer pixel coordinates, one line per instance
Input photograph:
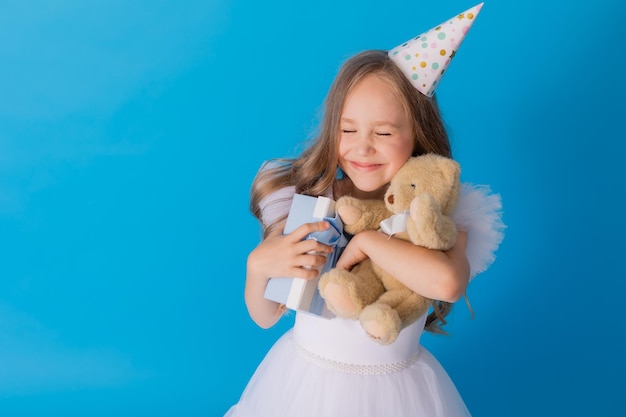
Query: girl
(374, 120)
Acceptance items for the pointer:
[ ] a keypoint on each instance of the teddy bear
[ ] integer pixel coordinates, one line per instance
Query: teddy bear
(417, 207)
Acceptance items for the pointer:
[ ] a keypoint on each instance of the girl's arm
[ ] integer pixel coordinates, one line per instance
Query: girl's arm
(281, 256)
(434, 274)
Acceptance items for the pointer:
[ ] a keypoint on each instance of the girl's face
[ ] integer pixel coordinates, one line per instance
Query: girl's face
(376, 136)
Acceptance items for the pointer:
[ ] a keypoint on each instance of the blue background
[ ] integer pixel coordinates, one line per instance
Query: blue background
(130, 132)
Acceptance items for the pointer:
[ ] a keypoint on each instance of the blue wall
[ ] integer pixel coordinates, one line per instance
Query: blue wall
(130, 133)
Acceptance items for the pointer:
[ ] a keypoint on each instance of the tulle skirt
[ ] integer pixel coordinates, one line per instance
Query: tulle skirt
(292, 382)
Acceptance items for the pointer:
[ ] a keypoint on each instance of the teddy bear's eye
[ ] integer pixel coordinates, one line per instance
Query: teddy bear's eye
(413, 186)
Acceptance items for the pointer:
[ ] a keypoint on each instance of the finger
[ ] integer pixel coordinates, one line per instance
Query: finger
(348, 259)
(342, 265)
(304, 273)
(311, 260)
(312, 245)
(307, 228)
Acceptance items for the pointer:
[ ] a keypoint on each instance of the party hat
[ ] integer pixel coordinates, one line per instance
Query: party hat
(426, 57)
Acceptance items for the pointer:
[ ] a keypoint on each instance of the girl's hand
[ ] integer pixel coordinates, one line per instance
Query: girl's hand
(281, 256)
(289, 255)
(352, 254)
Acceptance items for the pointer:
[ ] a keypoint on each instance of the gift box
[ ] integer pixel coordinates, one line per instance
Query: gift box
(298, 293)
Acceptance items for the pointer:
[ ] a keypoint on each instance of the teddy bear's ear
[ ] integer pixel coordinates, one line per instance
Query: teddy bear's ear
(451, 171)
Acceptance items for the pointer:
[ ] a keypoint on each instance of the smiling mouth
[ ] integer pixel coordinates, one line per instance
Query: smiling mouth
(364, 166)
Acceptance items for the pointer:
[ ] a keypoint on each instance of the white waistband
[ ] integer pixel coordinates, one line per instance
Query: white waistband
(351, 368)
(345, 341)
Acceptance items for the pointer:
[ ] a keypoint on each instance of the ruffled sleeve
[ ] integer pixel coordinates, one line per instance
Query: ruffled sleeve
(276, 205)
(479, 213)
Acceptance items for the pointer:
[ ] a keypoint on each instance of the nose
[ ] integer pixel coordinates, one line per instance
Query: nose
(364, 145)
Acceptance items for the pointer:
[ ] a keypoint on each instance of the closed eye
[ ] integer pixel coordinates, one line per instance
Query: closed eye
(383, 134)
(347, 131)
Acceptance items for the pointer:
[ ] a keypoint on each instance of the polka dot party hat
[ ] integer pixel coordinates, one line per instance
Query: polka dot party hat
(426, 57)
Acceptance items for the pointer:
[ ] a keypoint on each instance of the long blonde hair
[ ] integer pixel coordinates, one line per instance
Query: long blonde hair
(314, 171)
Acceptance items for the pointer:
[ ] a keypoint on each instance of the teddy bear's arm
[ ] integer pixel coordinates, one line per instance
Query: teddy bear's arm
(358, 215)
(428, 226)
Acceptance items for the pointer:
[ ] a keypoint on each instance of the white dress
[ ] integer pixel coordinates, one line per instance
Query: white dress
(329, 367)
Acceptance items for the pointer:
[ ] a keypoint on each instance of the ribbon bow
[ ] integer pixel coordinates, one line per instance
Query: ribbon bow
(395, 224)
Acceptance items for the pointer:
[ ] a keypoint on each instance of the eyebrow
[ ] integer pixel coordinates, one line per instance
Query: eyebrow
(378, 123)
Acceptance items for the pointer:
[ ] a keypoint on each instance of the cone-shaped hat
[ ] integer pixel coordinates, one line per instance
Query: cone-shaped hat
(425, 58)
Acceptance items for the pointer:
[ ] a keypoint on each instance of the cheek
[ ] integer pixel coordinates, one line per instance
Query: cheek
(342, 148)
(409, 143)
(400, 154)
(407, 150)
(340, 156)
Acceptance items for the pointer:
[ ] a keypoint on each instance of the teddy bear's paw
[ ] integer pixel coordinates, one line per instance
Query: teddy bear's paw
(381, 323)
(428, 226)
(424, 209)
(339, 300)
(349, 214)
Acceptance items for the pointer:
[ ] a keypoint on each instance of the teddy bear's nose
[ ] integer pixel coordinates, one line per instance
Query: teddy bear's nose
(390, 199)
